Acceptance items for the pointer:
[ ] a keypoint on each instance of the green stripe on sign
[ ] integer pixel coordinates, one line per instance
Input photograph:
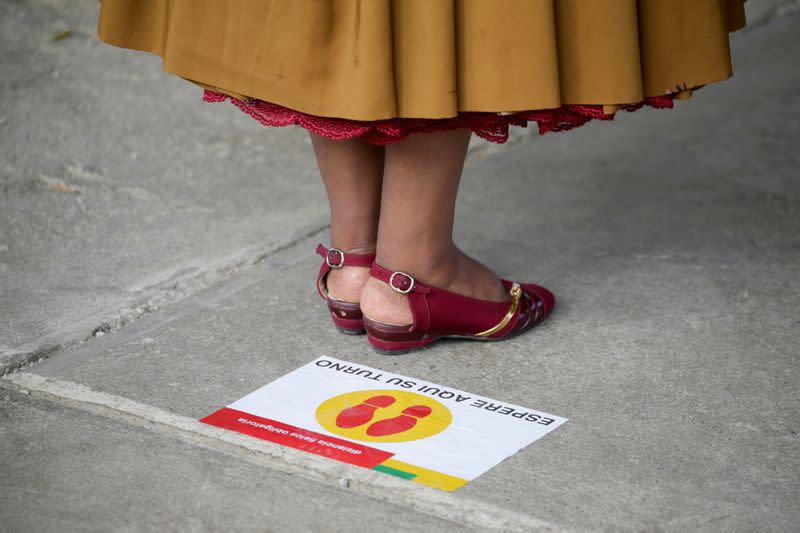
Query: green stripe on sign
(394, 472)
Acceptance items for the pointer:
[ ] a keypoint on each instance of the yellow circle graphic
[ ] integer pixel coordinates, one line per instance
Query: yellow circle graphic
(383, 416)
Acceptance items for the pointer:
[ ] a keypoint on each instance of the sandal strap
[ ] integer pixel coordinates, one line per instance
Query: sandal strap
(335, 258)
(397, 280)
(516, 294)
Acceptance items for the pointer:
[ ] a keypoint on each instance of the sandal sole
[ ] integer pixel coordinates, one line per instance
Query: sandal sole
(404, 348)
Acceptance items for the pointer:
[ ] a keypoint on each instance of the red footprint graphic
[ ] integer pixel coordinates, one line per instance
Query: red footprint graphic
(403, 422)
(363, 412)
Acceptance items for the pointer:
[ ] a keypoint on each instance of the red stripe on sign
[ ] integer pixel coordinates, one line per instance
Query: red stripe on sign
(294, 437)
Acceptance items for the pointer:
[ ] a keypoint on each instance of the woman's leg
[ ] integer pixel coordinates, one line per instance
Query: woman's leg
(352, 171)
(420, 183)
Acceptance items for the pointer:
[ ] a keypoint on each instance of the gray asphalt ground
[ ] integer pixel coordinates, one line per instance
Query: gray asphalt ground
(155, 253)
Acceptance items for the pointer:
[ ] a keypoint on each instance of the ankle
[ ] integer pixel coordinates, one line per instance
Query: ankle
(438, 269)
(364, 244)
(458, 273)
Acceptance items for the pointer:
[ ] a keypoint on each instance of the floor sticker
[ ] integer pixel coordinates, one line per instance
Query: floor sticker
(409, 428)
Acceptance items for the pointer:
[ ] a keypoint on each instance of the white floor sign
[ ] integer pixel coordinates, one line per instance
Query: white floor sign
(407, 427)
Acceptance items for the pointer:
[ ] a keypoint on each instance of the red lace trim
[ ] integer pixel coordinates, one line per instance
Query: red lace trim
(490, 126)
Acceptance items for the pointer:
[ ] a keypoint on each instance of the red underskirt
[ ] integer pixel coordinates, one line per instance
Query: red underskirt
(490, 126)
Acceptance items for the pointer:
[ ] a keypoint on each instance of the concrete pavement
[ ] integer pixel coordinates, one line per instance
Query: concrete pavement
(111, 173)
(670, 238)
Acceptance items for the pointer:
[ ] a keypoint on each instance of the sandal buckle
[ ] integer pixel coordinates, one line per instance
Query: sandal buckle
(401, 282)
(335, 258)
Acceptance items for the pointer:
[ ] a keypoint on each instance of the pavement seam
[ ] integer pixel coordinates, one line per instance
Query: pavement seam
(445, 506)
(150, 300)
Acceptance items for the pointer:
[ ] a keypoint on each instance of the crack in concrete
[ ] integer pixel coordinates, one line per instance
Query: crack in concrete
(149, 300)
(377, 486)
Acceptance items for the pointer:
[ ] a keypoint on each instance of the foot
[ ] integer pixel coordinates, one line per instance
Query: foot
(462, 275)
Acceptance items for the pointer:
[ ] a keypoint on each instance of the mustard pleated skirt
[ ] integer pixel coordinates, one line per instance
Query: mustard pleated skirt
(382, 69)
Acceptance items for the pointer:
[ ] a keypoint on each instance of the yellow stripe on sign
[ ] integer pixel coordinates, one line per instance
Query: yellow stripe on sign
(427, 477)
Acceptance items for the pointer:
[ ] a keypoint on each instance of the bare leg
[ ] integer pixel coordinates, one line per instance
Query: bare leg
(420, 184)
(352, 171)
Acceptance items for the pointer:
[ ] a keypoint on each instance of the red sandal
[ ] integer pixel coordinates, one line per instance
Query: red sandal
(439, 313)
(346, 315)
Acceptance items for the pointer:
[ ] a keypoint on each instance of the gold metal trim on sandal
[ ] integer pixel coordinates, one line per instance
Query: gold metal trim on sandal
(516, 294)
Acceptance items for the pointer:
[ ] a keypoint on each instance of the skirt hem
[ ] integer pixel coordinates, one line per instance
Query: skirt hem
(493, 127)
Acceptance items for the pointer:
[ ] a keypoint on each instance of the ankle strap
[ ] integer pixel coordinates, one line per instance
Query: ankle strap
(336, 258)
(398, 281)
